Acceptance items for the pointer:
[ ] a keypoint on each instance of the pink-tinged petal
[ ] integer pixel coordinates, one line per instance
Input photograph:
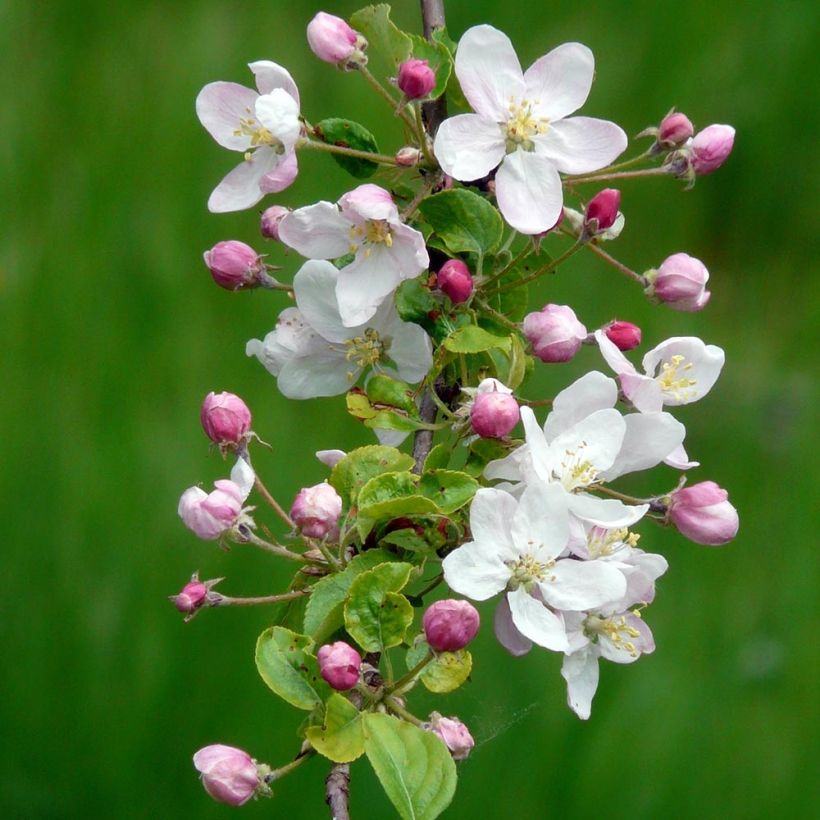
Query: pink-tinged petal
(409, 253)
(580, 671)
(612, 355)
(240, 188)
(679, 459)
(474, 572)
(642, 644)
(506, 633)
(243, 476)
(559, 82)
(528, 191)
(220, 106)
(270, 75)
(411, 351)
(317, 231)
(593, 391)
(469, 146)
(649, 439)
(368, 201)
(364, 284)
(536, 622)
(605, 512)
(489, 72)
(580, 585)
(280, 177)
(315, 289)
(279, 113)
(644, 392)
(581, 144)
(322, 373)
(540, 524)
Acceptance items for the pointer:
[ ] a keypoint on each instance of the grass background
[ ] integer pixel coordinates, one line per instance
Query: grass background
(112, 333)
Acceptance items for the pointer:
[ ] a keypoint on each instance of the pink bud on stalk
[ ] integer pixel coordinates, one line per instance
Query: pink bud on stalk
(680, 282)
(225, 418)
(675, 129)
(191, 597)
(454, 280)
(316, 511)
(703, 514)
(270, 219)
(602, 210)
(229, 775)
(710, 148)
(211, 515)
(554, 332)
(408, 156)
(331, 39)
(454, 733)
(339, 665)
(624, 335)
(450, 625)
(234, 265)
(495, 411)
(416, 79)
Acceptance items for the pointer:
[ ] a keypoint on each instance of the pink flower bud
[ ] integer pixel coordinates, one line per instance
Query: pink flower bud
(603, 208)
(416, 79)
(233, 264)
(270, 219)
(316, 511)
(675, 129)
(680, 282)
(454, 280)
(211, 515)
(339, 665)
(192, 596)
(494, 414)
(711, 147)
(624, 335)
(455, 734)
(331, 39)
(450, 625)
(408, 156)
(225, 418)
(703, 514)
(554, 332)
(229, 775)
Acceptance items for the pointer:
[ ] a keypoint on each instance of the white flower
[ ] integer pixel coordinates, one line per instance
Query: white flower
(365, 222)
(313, 354)
(264, 126)
(521, 122)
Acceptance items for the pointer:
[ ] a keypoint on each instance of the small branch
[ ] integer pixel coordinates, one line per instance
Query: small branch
(616, 166)
(265, 493)
(276, 774)
(647, 172)
(396, 105)
(337, 791)
(551, 265)
(410, 677)
(394, 706)
(616, 264)
(522, 254)
(421, 135)
(330, 148)
(226, 600)
(495, 315)
(423, 441)
(250, 537)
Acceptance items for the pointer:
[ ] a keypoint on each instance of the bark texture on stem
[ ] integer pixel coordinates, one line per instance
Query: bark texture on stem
(337, 791)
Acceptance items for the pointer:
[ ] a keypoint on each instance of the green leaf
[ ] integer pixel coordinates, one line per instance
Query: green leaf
(382, 35)
(465, 221)
(384, 390)
(407, 539)
(482, 451)
(414, 767)
(349, 134)
(438, 458)
(512, 303)
(518, 364)
(361, 407)
(388, 496)
(447, 671)
(376, 616)
(415, 302)
(474, 339)
(438, 58)
(341, 735)
(284, 661)
(362, 464)
(448, 489)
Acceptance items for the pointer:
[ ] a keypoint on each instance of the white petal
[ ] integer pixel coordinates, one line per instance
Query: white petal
(596, 439)
(559, 82)
(279, 113)
(538, 456)
(580, 585)
(581, 144)
(270, 75)
(488, 71)
(706, 363)
(316, 231)
(580, 671)
(649, 439)
(365, 283)
(541, 523)
(508, 636)
(612, 355)
(644, 392)
(605, 512)
(408, 252)
(491, 514)
(411, 351)
(281, 176)
(512, 467)
(240, 188)
(243, 476)
(643, 642)
(680, 460)
(315, 289)
(220, 106)
(536, 622)
(291, 337)
(469, 146)
(470, 570)
(593, 391)
(322, 373)
(528, 191)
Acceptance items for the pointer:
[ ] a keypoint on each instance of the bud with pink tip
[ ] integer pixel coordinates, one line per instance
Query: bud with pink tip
(680, 282)
(416, 79)
(450, 625)
(408, 156)
(316, 511)
(675, 129)
(331, 39)
(339, 665)
(703, 514)
(270, 219)
(234, 265)
(454, 733)
(210, 515)
(229, 775)
(624, 335)
(191, 597)
(710, 148)
(554, 333)
(602, 210)
(225, 418)
(454, 280)
(495, 411)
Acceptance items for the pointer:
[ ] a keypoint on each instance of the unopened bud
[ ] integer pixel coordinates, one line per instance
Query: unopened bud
(454, 733)
(211, 515)
(416, 79)
(450, 625)
(680, 282)
(710, 148)
(225, 418)
(624, 335)
(270, 219)
(454, 279)
(602, 210)
(233, 265)
(408, 156)
(494, 413)
(339, 665)
(703, 514)
(554, 333)
(316, 511)
(331, 39)
(191, 597)
(675, 129)
(229, 775)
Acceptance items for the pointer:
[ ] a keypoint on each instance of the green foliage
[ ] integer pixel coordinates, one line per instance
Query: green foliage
(447, 671)
(360, 465)
(450, 490)
(438, 458)
(464, 221)
(414, 767)
(484, 450)
(383, 36)
(386, 404)
(349, 134)
(513, 303)
(389, 496)
(285, 663)
(407, 538)
(341, 735)
(474, 339)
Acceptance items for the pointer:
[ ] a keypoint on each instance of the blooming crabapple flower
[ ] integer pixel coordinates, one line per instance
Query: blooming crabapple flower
(316, 511)
(209, 516)
(554, 332)
(678, 371)
(331, 39)
(365, 222)
(518, 548)
(455, 281)
(710, 148)
(234, 265)
(455, 735)
(703, 514)
(270, 219)
(624, 335)
(494, 412)
(339, 665)
(229, 775)
(225, 418)
(521, 125)
(602, 210)
(450, 625)
(416, 79)
(675, 129)
(313, 354)
(264, 126)
(680, 282)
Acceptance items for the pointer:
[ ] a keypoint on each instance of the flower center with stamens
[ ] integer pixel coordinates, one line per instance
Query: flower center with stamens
(677, 385)
(259, 135)
(615, 629)
(522, 125)
(576, 471)
(373, 232)
(601, 542)
(527, 571)
(364, 350)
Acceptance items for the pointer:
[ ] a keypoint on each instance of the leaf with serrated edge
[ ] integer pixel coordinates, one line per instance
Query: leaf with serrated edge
(465, 221)
(448, 489)
(383, 36)
(285, 664)
(341, 735)
(360, 465)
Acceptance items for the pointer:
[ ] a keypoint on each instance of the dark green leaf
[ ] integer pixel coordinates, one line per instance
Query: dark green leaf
(349, 134)
(465, 221)
(448, 489)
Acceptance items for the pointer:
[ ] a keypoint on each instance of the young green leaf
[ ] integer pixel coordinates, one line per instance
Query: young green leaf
(362, 464)
(341, 735)
(448, 489)
(465, 221)
(383, 36)
(285, 664)
(474, 339)
(447, 671)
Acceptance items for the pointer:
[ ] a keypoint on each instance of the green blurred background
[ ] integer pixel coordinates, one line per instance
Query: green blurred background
(113, 332)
